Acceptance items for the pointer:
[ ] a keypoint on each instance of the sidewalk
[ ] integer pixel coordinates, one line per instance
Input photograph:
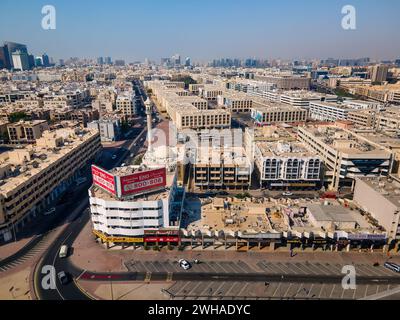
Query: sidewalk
(11, 248)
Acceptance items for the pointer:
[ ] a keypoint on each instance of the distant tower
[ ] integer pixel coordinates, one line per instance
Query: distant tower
(149, 111)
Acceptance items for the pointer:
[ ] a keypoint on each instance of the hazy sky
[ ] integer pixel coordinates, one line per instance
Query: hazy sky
(204, 29)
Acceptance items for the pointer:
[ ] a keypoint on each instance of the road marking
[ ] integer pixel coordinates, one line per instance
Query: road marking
(320, 291)
(322, 267)
(232, 286)
(333, 289)
(310, 290)
(278, 265)
(222, 267)
(212, 268)
(82, 273)
(306, 266)
(243, 288)
(274, 269)
(287, 291)
(295, 265)
(242, 265)
(279, 285)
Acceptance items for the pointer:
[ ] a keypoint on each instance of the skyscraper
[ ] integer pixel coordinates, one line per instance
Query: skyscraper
(20, 60)
(188, 62)
(108, 60)
(379, 73)
(4, 60)
(46, 60)
(176, 59)
(38, 62)
(11, 47)
(100, 60)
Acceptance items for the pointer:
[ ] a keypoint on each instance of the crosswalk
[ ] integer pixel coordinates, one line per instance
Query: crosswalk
(37, 249)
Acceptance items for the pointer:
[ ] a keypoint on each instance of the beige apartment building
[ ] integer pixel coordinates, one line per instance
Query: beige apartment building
(345, 155)
(126, 104)
(192, 118)
(380, 198)
(185, 110)
(35, 175)
(210, 92)
(286, 82)
(26, 131)
(222, 168)
(387, 120)
(270, 113)
(195, 87)
(235, 101)
(364, 118)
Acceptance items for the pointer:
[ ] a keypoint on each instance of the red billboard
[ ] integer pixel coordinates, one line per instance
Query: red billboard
(103, 179)
(143, 181)
(161, 239)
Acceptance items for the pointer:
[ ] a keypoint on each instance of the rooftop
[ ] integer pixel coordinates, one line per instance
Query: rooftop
(23, 163)
(284, 149)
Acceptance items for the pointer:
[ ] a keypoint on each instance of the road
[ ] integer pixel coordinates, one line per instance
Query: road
(68, 236)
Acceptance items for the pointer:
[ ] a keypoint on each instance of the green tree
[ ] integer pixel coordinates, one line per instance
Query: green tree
(17, 116)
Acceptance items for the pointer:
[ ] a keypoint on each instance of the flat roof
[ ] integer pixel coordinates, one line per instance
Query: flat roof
(285, 149)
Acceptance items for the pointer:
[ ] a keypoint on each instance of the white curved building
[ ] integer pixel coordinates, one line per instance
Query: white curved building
(133, 215)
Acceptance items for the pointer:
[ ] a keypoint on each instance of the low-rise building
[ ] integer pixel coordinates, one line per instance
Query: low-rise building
(126, 103)
(35, 175)
(324, 111)
(287, 165)
(272, 113)
(110, 129)
(304, 98)
(129, 202)
(380, 197)
(221, 168)
(26, 131)
(344, 154)
(235, 101)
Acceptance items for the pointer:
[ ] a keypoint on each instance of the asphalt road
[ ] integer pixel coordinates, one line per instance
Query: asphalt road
(68, 236)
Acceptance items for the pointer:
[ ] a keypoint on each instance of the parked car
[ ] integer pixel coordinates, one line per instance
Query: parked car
(287, 194)
(63, 277)
(63, 252)
(184, 264)
(392, 266)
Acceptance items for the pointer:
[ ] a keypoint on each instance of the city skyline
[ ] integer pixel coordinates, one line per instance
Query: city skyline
(135, 31)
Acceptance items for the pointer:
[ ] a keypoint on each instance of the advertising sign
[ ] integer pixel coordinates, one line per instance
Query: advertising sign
(143, 181)
(103, 179)
(161, 239)
(362, 236)
(161, 232)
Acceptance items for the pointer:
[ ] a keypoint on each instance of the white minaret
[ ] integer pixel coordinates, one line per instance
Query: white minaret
(149, 110)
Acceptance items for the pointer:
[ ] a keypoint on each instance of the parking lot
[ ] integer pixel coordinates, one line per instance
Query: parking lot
(206, 267)
(316, 268)
(265, 267)
(275, 290)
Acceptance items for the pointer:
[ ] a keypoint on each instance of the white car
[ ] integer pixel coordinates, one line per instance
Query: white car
(184, 264)
(50, 211)
(287, 194)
